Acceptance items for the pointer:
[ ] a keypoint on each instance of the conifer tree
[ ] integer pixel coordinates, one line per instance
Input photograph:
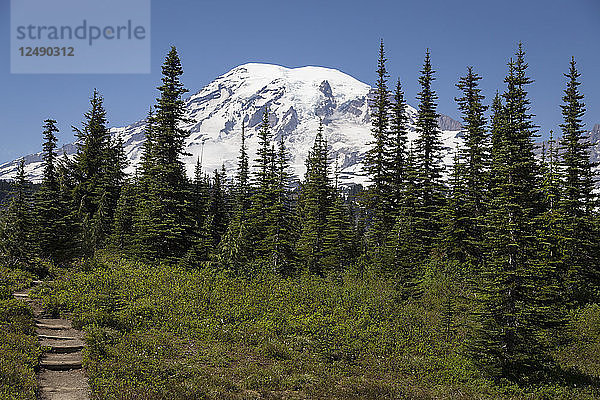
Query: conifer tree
(123, 229)
(457, 234)
(515, 295)
(147, 158)
(262, 166)
(202, 237)
(91, 164)
(377, 158)
(476, 165)
(142, 221)
(110, 188)
(428, 147)
(280, 233)
(402, 248)
(339, 241)
(234, 249)
(496, 126)
(581, 279)
(16, 246)
(217, 208)
(243, 174)
(55, 229)
(263, 196)
(167, 224)
(397, 149)
(313, 206)
(550, 220)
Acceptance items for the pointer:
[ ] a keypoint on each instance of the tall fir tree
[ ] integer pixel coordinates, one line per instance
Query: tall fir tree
(339, 238)
(167, 222)
(402, 248)
(397, 149)
(243, 175)
(550, 220)
(111, 186)
(90, 169)
(202, 239)
(280, 231)
(55, 228)
(377, 159)
(235, 248)
(217, 208)
(476, 165)
(457, 236)
(514, 293)
(581, 278)
(16, 225)
(263, 195)
(428, 157)
(314, 204)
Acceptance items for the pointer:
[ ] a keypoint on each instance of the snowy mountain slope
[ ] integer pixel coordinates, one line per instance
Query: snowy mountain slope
(297, 98)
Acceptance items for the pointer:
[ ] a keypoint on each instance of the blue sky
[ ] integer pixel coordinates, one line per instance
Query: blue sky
(215, 36)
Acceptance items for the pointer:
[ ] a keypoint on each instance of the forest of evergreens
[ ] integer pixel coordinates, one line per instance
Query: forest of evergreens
(475, 280)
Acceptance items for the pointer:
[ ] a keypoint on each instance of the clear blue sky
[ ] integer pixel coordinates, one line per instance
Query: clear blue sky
(215, 36)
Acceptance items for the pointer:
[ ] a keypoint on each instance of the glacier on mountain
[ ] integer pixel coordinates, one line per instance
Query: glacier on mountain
(297, 98)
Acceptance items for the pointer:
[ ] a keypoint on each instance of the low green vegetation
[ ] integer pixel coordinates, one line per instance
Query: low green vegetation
(166, 332)
(19, 349)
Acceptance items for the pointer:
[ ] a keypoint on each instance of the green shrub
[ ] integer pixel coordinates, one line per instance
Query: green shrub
(167, 332)
(19, 349)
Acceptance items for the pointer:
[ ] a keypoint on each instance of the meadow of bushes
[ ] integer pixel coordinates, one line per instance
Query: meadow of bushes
(19, 349)
(166, 332)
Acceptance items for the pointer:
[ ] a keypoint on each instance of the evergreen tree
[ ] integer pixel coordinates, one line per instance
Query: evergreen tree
(203, 238)
(377, 158)
(279, 237)
(55, 229)
(263, 196)
(550, 220)
(497, 124)
(167, 222)
(314, 205)
(397, 149)
(91, 165)
(217, 208)
(339, 241)
(476, 166)
(515, 293)
(428, 147)
(403, 250)
(581, 279)
(123, 229)
(16, 246)
(457, 234)
(147, 158)
(142, 220)
(243, 174)
(234, 249)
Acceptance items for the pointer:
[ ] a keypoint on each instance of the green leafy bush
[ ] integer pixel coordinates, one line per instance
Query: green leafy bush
(166, 332)
(19, 349)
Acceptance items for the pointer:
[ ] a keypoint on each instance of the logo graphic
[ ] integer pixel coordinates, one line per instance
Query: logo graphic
(80, 36)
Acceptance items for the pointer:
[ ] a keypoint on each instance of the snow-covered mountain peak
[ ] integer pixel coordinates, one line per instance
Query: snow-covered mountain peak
(297, 99)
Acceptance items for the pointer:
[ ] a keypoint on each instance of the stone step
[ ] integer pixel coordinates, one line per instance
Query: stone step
(60, 365)
(61, 362)
(36, 282)
(54, 337)
(21, 295)
(53, 323)
(64, 348)
(52, 326)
